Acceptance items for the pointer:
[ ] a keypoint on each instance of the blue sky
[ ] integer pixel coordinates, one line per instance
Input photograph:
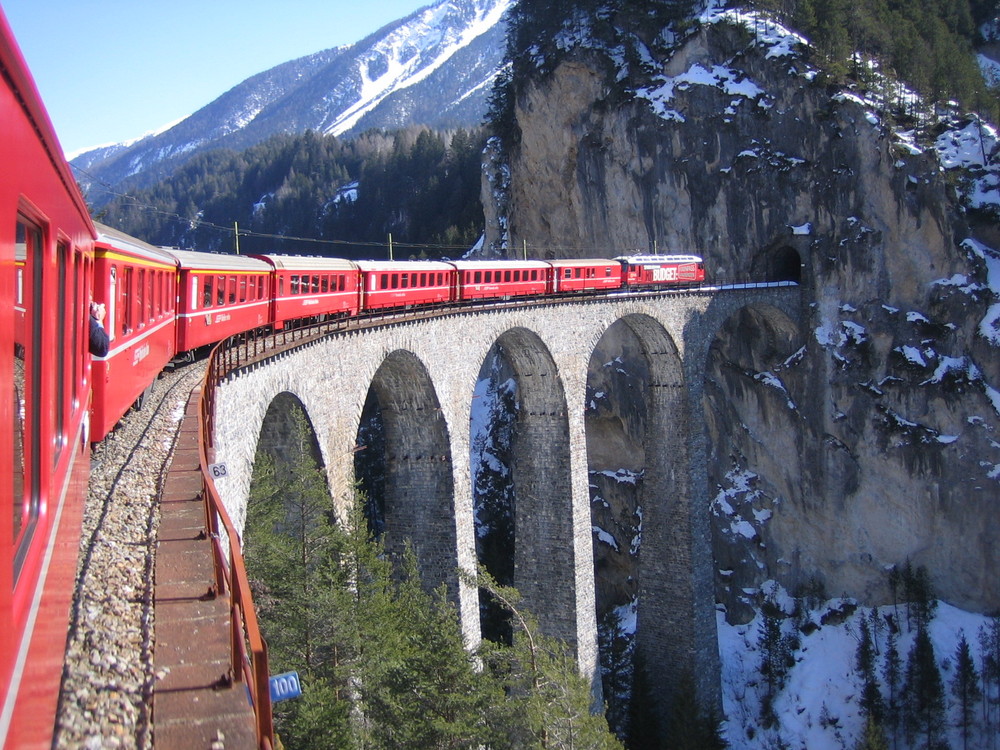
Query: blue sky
(111, 70)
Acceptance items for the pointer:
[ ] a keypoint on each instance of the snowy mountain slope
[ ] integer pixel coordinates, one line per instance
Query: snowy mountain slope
(433, 67)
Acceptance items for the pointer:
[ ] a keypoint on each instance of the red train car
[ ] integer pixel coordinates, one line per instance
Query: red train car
(135, 282)
(489, 279)
(585, 275)
(312, 287)
(657, 270)
(219, 296)
(387, 283)
(46, 258)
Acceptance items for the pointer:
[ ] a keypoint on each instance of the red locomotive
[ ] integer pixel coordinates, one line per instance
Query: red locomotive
(160, 304)
(657, 270)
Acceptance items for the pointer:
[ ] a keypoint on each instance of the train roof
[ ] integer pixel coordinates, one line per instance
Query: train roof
(584, 262)
(190, 259)
(403, 265)
(307, 263)
(645, 259)
(498, 263)
(125, 242)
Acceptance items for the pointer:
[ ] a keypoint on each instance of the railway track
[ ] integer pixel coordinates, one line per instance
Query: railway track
(106, 695)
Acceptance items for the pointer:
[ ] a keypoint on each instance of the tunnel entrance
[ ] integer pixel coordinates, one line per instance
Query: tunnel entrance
(786, 265)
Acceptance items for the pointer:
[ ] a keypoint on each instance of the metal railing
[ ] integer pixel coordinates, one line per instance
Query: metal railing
(247, 647)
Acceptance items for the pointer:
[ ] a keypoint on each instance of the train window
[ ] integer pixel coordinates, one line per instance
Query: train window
(151, 290)
(140, 299)
(315, 284)
(406, 280)
(506, 275)
(294, 285)
(342, 283)
(77, 314)
(385, 281)
(26, 469)
(232, 290)
(423, 279)
(395, 280)
(209, 296)
(151, 293)
(324, 284)
(243, 289)
(62, 268)
(127, 296)
(220, 290)
(579, 272)
(607, 272)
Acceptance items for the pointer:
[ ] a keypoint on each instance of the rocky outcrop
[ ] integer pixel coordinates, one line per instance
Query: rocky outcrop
(869, 437)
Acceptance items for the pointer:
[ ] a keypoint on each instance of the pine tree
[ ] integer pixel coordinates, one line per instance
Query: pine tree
(549, 700)
(965, 687)
(989, 654)
(419, 686)
(923, 691)
(873, 737)
(776, 658)
(689, 726)
(891, 678)
(871, 697)
(290, 551)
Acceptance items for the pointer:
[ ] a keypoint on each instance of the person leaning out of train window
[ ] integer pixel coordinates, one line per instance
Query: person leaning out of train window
(99, 340)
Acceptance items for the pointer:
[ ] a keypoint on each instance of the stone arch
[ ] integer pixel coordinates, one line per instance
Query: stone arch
(544, 561)
(419, 488)
(659, 470)
(753, 444)
(277, 428)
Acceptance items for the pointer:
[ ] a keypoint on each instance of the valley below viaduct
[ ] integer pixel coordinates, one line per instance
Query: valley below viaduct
(424, 373)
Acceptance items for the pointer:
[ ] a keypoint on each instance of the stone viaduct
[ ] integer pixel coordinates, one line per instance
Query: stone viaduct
(424, 373)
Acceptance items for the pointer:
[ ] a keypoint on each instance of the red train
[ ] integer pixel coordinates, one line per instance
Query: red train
(160, 304)
(221, 295)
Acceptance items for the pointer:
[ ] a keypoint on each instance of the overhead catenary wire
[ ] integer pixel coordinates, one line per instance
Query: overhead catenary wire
(232, 230)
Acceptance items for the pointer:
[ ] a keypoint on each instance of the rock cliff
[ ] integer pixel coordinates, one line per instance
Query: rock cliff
(871, 436)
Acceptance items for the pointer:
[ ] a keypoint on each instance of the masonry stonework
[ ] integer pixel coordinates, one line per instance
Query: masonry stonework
(424, 373)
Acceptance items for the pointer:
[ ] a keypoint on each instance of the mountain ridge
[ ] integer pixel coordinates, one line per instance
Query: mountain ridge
(433, 67)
